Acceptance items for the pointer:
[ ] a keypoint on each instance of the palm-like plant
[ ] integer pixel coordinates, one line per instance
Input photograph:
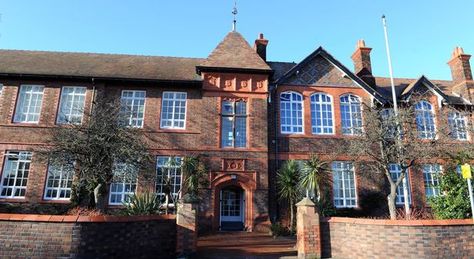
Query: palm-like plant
(194, 173)
(142, 204)
(288, 179)
(315, 174)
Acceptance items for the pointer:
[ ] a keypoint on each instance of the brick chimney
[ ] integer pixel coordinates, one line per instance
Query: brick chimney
(260, 46)
(362, 64)
(460, 67)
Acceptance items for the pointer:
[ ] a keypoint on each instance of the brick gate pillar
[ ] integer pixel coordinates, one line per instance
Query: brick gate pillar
(307, 230)
(186, 227)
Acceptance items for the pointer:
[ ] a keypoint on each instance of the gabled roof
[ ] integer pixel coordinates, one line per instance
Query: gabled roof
(45, 63)
(418, 84)
(323, 53)
(280, 68)
(234, 52)
(405, 86)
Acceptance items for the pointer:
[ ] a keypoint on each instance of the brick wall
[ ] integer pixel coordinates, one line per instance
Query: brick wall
(368, 238)
(43, 236)
(359, 238)
(201, 135)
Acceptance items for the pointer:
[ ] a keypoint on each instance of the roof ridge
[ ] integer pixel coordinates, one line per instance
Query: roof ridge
(96, 53)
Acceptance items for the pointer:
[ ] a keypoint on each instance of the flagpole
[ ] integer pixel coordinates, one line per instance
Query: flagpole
(395, 111)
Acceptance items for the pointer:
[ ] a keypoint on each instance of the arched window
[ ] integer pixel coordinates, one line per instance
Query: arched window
(291, 112)
(351, 115)
(425, 123)
(321, 114)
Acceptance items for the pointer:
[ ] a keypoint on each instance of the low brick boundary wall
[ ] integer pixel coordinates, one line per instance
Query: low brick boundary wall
(370, 238)
(366, 238)
(46, 236)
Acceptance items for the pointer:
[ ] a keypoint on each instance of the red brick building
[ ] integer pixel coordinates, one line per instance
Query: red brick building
(244, 113)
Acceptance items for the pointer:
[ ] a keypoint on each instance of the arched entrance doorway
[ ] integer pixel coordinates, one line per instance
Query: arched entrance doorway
(232, 198)
(232, 208)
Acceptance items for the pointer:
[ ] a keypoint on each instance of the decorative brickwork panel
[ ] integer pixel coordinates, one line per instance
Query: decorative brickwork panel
(233, 165)
(320, 71)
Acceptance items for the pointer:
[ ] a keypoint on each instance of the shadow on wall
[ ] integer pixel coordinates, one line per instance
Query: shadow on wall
(33, 208)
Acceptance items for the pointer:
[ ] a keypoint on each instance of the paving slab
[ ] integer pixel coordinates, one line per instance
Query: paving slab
(245, 245)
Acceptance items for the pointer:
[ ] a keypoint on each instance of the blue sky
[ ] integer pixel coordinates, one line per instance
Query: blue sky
(422, 33)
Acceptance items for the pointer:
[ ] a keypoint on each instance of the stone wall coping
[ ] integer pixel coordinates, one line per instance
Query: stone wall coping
(81, 219)
(386, 222)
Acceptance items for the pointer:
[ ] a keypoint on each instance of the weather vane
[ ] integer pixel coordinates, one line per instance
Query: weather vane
(234, 12)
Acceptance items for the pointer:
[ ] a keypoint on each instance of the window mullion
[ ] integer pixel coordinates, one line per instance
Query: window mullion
(16, 177)
(28, 107)
(173, 111)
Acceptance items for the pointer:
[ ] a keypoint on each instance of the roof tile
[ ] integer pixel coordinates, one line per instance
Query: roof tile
(235, 52)
(98, 65)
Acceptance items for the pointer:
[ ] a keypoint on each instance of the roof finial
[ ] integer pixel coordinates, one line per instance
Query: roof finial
(234, 12)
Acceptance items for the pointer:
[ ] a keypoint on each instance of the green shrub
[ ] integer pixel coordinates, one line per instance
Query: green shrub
(279, 230)
(453, 203)
(144, 203)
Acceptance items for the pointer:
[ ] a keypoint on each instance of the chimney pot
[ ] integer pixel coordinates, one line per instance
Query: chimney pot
(360, 44)
(362, 63)
(260, 46)
(460, 66)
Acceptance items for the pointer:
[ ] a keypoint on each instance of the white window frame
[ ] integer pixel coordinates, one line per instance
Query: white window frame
(313, 112)
(76, 109)
(124, 177)
(352, 130)
(66, 174)
(1, 89)
(292, 126)
(22, 157)
(431, 173)
(24, 102)
(131, 113)
(388, 122)
(173, 118)
(395, 172)
(170, 170)
(460, 121)
(420, 110)
(346, 168)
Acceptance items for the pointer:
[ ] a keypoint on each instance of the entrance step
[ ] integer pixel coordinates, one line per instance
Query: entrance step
(239, 245)
(232, 226)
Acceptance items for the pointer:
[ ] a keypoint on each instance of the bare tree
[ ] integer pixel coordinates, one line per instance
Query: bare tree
(94, 147)
(403, 141)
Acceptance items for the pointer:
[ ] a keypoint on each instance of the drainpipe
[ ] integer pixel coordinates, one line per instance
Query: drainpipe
(277, 162)
(93, 94)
